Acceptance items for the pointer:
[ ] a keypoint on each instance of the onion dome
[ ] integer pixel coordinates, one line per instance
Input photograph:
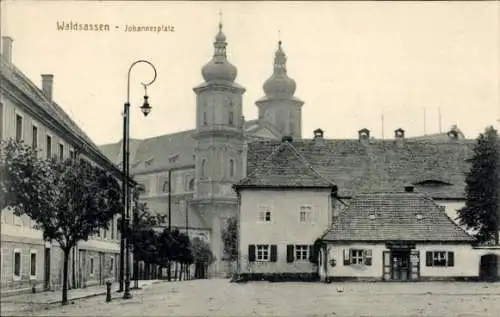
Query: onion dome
(219, 68)
(279, 84)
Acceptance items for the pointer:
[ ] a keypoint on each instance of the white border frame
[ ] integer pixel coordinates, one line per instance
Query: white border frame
(33, 251)
(14, 276)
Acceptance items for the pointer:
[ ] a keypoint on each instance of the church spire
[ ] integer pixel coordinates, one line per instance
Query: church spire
(280, 61)
(219, 68)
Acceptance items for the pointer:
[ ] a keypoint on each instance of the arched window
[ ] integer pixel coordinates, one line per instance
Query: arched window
(231, 168)
(204, 117)
(191, 185)
(231, 117)
(165, 187)
(203, 168)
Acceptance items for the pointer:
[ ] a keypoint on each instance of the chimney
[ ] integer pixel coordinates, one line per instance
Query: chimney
(399, 136)
(364, 135)
(318, 134)
(7, 48)
(453, 133)
(409, 188)
(47, 81)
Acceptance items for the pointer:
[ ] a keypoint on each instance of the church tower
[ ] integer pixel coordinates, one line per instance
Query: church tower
(279, 106)
(219, 135)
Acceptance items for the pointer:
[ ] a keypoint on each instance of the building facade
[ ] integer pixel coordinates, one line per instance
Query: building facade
(189, 174)
(30, 114)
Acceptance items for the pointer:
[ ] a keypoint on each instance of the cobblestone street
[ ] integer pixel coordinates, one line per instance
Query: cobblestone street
(221, 298)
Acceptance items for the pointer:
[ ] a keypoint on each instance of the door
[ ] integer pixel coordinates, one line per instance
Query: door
(47, 269)
(400, 265)
(386, 264)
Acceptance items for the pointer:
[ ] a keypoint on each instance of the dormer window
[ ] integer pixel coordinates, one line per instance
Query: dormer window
(372, 217)
(419, 216)
(432, 183)
(173, 158)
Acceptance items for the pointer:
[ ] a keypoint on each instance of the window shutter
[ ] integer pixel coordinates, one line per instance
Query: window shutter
(312, 255)
(347, 258)
(274, 253)
(368, 257)
(251, 253)
(289, 253)
(428, 258)
(451, 259)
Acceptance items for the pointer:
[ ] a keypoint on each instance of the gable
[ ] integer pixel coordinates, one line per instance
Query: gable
(262, 132)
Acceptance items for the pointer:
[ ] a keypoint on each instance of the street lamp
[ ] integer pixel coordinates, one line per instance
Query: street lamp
(126, 233)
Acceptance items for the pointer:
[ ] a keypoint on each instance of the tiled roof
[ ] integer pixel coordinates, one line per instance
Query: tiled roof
(285, 167)
(51, 108)
(394, 216)
(380, 165)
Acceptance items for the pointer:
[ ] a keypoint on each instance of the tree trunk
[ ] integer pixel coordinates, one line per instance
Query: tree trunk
(169, 271)
(65, 276)
(176, 270)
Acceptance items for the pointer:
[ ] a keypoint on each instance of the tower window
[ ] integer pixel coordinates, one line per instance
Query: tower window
(231, 116)
(231, 168)
(191, 185)
(203, 168)
(204, 117)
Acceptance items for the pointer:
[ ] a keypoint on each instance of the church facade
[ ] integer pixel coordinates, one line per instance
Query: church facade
(190, 175)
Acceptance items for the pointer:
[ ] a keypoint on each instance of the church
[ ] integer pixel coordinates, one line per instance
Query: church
(190, 175)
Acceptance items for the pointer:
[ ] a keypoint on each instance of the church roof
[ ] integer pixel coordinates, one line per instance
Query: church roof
(438, 168)
(285, 167)
(393, 216)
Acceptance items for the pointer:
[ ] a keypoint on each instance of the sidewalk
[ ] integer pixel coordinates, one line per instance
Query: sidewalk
(38, 301)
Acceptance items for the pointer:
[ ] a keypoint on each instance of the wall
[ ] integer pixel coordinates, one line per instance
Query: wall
(341, 270)
(285, 227)
(466, 261)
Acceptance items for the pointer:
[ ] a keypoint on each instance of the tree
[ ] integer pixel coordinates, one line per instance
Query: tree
(68, 200)
(202, 255)
(481, 210)
(229, 237)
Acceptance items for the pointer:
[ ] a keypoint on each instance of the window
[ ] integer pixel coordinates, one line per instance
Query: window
(141, 189)
(105, 232)
(231, 117)
(264, 214)
(440, 258)
(49, 146)
(204, 117)
(19, 127)
(33, 264)
(34, 137)
(165, 187)
(17, 264)
(191, 185)
(61, 152)
(1, 121)
(72, 154)
(231, 168)
(262, 252)
(111, 266)
(301, 252)
(357, 257)
(305, 213)
(91, 266)
(203, 168)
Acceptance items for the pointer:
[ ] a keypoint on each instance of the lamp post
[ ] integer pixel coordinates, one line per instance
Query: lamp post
(145, 108)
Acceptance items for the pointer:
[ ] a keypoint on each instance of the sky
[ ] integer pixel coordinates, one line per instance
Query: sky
(352, 61)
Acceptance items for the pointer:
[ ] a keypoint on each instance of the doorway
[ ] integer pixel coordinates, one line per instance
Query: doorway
(488, 267)
(400, 265)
